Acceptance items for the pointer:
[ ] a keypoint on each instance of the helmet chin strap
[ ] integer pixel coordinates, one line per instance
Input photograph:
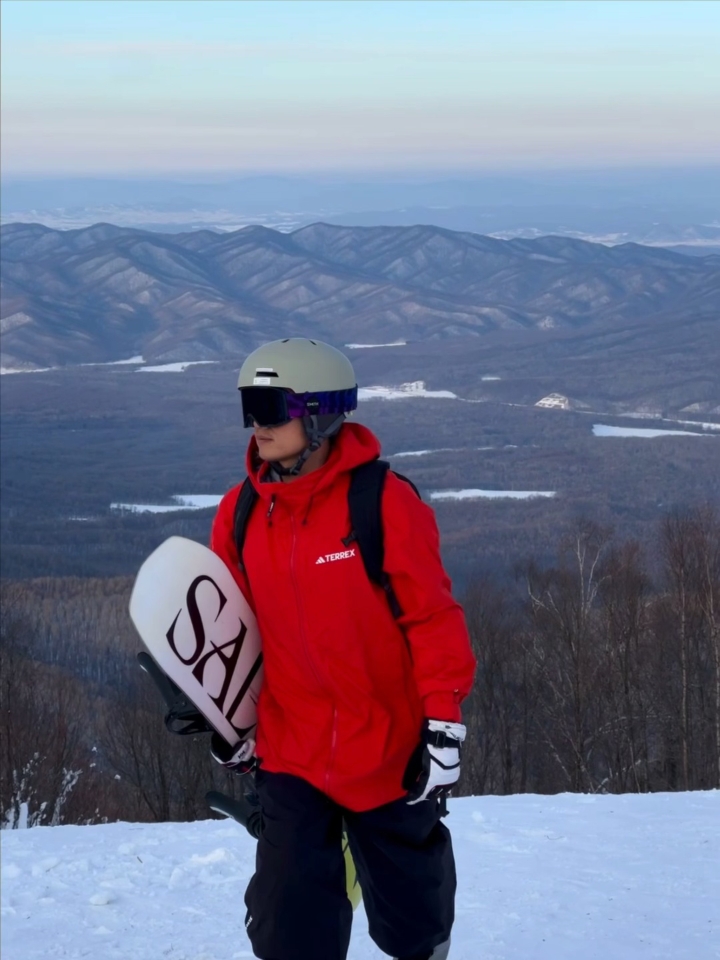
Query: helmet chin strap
(316, 438)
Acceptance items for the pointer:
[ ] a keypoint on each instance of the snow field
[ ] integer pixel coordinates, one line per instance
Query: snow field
(7, 370)
(602, 430)
(175, 367)
(373, 346)
(564, 877)
(202, 501)
(116, 363)
(426, 453)
(403, 392)
(491, 494)
(189, 501)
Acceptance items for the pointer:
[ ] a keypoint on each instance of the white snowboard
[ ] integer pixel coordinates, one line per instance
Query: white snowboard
(200, 630)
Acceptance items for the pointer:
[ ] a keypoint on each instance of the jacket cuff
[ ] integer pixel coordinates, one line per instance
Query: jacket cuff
(442, 706)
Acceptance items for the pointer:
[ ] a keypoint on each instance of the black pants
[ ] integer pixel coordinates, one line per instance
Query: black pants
(297, 905)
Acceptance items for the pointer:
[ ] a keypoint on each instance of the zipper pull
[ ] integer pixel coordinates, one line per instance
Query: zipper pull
(270, 510)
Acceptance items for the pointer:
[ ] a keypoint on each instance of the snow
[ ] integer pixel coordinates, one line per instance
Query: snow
(373, 346)
(424, 453)
(115, 363)
(174, 367)
(490, 494)
(108, 363)
(405, 390)
(563, 877)
(601, 430)
(4, 370)
(189, 501)
(420, 453)
(696, 423)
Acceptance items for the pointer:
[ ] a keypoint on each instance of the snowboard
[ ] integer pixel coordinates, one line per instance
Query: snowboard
(205, 655)
(201, 632)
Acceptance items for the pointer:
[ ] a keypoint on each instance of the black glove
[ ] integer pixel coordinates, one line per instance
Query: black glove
(434, 767)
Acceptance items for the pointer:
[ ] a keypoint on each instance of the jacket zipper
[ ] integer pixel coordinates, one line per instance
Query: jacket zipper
(298, 601)
(303, 636)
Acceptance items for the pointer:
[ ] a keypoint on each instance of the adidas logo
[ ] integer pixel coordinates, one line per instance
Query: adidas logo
(332, 557)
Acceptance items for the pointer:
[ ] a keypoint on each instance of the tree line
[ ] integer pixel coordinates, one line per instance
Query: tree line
(598, 672)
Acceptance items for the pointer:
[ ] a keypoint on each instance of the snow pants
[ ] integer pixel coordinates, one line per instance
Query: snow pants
(296, 901)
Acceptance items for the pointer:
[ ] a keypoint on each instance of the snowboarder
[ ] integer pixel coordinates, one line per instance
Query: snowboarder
(359, 714)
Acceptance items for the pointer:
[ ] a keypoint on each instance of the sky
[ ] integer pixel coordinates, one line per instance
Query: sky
(151, 87)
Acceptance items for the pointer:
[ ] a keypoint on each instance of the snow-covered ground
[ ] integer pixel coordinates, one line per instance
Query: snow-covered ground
(697, 423)
(4, 370)
(373, 346)
(490, 494)
(602, 430)
(175, 367)
(202, 501)
(426, 453)
(187, 501)
(105, 363)
(115, 363)
(405, 390)
(565, 877)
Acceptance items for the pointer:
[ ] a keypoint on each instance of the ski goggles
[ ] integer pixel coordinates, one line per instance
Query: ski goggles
(273, 406)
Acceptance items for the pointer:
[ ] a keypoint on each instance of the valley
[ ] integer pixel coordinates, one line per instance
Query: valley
(77, 440)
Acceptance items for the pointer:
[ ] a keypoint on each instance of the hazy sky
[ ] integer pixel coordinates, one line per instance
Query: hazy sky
(131, 87)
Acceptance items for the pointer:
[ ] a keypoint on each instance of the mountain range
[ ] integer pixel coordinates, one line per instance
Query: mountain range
(105, 293)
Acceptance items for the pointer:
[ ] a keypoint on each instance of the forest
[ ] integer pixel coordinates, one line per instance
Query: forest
(598, 671)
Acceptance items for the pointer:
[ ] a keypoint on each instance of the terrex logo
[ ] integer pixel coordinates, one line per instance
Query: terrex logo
(332, 557)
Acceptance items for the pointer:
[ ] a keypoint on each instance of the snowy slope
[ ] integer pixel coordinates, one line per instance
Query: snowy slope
(540, 878)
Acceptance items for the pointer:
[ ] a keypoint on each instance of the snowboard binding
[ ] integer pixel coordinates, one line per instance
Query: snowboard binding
(183, 717)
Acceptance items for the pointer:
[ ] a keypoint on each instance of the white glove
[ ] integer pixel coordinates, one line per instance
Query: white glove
(240, 758)
(434, 767)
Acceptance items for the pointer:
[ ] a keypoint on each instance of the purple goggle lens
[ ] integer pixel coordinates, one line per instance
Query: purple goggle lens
(273, 406)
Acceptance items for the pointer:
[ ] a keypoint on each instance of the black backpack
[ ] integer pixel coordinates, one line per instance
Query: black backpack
(364, 501)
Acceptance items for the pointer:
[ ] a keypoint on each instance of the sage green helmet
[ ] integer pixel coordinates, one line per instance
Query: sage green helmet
(298, 379)
(303, 366)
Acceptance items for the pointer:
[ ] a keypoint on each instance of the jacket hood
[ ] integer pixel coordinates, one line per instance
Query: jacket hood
(353, 445)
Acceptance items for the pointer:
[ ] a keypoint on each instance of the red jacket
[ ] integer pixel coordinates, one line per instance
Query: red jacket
(346, 685)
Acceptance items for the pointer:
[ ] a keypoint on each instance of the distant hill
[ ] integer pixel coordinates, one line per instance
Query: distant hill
(106, 293)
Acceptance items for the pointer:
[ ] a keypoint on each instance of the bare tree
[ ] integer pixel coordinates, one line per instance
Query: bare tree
(627, 647)
(561, 612)
(498, 711)
(706, 537)
(42, 755)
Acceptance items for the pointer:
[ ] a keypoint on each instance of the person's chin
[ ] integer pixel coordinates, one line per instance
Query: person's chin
(265, 450)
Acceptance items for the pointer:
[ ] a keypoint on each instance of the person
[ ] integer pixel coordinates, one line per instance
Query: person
(359, 714)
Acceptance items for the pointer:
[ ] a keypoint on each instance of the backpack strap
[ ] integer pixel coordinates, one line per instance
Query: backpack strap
(365, 503)
(244, 504)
